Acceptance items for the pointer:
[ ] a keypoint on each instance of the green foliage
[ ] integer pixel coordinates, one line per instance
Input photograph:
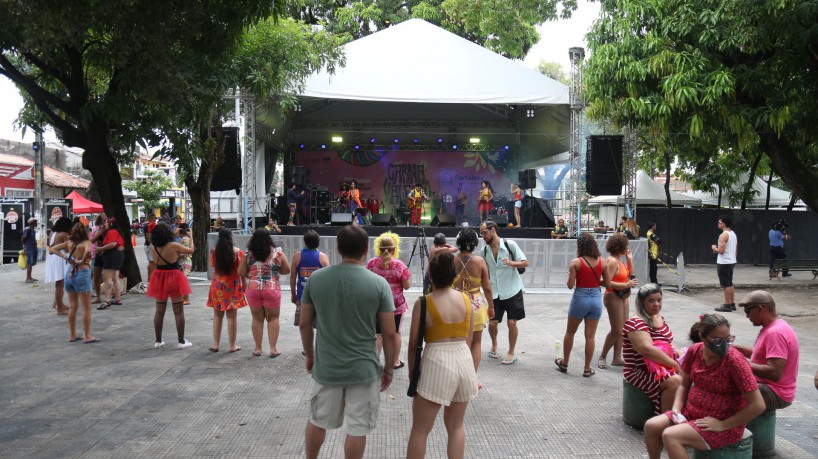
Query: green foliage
(150, 189)
(554, 71)
(711, 78)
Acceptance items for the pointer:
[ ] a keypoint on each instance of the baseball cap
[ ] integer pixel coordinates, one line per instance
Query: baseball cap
(757, 297)
(32, 220)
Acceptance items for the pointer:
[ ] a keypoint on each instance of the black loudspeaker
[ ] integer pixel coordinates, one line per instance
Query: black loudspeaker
(322, 215)
(603, 168)
(228, 175)
(444, 220)
(341, 218)
(527, 179)
(299, 175)
(383, 220)
(501, 220)
(536, 213)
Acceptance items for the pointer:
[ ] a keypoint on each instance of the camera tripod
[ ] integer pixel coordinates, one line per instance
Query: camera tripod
(422, 250)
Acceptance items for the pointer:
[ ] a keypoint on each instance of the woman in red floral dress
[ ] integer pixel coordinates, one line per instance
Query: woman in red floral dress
(716, 399)
(226, 290)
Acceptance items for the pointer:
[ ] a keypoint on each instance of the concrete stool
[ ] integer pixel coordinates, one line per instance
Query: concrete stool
(741, 450)
(763, 429)
(637, 407)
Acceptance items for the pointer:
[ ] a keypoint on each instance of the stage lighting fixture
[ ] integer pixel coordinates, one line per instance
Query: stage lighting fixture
(301, 146)
(529, 113)
(439, 140)
(506, 147)
(323, 146)
(415, 140)
(372, 140)
(396, 140)
(454, 147)
(337, 139)
(474, 140)
(357, 147)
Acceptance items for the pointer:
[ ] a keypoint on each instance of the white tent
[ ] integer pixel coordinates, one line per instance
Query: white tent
(415, 61)
(778, 197)
(648, 192)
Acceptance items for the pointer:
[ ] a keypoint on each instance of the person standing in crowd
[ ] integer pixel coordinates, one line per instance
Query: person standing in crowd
(503, 261)
(460, 203)
(448, 377)
(76, 251)
(217, 224)
(97, 235)
(262, 264)
(653, 252)
(272, 226)
(387, 265)
(774, 356)
(639, 337)
(113, 252)
(622, 221)
(294, 200)
(177, 220)
(344, 365)
(227, 289)
(305, 262)
(185, 261)
(631, 229)
(518, 201)
(586, 274)
(485, 202)
(560, 231)
(716, 398)
(29, 241)
(415, 199)
(55, 265)
(472, 275)
(616, 296)
(147, 229)
(168, 282)
(726, 261)
(778, 234)
(439, 245)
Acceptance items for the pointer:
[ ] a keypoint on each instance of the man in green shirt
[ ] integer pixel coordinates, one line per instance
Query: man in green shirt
(347, 376)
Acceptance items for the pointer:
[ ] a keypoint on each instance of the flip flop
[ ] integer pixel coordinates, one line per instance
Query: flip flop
(95, 340)
(274, 354)
(78, 338)
(508, 361)
(617, 364)
(213, 349)
(560, 365)
(588, 373)
(601, 363)
(256, 354)
(235, 350)
(492, 355)
(116, 303)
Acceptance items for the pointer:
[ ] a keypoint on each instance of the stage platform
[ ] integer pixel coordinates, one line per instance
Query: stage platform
(548, 259)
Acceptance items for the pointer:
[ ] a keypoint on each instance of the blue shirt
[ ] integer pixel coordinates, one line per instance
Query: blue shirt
(505, 280)
(30, 238)
(776, 238)
(293, 197)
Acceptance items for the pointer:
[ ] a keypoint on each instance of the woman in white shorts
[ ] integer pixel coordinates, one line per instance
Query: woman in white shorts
(518, 201)
(447, 371)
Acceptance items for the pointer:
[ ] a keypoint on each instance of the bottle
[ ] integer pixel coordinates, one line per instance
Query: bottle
(558, 349)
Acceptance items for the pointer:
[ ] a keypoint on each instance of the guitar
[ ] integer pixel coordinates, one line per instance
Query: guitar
(415, 202)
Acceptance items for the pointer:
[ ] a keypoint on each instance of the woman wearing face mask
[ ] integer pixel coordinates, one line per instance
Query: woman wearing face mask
(638, 337)
(716, 399)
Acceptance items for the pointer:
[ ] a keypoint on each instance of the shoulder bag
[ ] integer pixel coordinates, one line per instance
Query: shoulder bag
(413, 383)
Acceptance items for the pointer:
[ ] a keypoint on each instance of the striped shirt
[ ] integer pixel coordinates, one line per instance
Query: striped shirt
(635, 371)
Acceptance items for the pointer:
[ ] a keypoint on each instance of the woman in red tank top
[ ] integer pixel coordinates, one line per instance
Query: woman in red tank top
(616, 297)
(586, 274)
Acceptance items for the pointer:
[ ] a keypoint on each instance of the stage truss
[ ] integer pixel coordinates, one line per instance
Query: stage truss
(629, 169)
(575, 154)
(246, 120)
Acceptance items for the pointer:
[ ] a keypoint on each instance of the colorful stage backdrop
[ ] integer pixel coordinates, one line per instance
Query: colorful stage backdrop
(388, 175)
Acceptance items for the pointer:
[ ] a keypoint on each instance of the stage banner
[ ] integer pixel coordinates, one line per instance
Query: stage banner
(389, 175)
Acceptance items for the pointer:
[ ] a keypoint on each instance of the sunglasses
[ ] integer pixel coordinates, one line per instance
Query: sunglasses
(387, 249)
(719, 340)
(747, 310)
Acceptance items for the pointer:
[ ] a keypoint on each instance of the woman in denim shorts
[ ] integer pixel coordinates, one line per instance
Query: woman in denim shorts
(586, 274)
(77, 281)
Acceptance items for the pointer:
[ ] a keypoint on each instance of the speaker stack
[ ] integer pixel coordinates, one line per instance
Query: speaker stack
(383, 220)
(228, 175)
(603, 168)
(319, 204)
(341, 218)
(444, 220)
(527, 179)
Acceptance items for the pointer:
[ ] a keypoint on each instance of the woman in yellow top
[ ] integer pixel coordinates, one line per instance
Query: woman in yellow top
(485, 205)
(472, 274)
(447, 371)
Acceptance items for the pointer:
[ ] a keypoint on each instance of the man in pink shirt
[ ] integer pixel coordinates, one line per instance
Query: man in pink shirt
(774, 357)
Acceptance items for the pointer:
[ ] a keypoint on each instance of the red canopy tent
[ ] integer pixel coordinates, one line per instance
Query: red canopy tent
(82, 205)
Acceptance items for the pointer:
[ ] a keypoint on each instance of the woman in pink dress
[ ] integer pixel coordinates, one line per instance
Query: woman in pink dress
(716, 399)
(388, 266)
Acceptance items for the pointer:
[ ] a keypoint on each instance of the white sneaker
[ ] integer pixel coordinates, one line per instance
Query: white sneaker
(184, 345)
(159, 344)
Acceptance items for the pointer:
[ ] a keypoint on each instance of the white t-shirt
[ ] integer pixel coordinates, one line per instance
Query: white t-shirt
(729, 255)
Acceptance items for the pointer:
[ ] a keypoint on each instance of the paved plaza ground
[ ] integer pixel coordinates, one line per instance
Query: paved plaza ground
(122, 398)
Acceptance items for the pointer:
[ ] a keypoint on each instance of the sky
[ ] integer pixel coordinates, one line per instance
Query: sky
(556, 38)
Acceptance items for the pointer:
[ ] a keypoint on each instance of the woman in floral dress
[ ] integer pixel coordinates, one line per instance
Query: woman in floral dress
(716, 399)
(185, 261)
(226, 290)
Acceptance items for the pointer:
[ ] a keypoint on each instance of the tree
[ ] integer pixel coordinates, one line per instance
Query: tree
(150, 189)
(714, 78)
(554, 71)
(104, 75)
(507, 28)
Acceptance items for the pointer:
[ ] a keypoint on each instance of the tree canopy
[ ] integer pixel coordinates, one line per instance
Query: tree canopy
(705, 79)
(150, 189)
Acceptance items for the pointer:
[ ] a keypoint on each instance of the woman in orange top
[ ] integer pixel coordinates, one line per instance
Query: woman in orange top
(355, 201)
(447, 377)
(616, 296)
(226, 290)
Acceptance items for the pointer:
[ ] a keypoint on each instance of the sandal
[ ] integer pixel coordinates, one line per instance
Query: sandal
(103, 305)
(588, 373)
(601, 363)
(116, 303)
(560, 365)
(492, 355)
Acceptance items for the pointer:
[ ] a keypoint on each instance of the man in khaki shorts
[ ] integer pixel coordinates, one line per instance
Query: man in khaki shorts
(347, 375)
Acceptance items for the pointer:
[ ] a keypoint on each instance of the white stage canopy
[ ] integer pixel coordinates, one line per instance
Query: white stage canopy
(415, 61)
(778, 197)
(648, 193)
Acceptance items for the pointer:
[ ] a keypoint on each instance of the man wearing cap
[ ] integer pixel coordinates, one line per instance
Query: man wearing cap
(29, 240)
(774, 357)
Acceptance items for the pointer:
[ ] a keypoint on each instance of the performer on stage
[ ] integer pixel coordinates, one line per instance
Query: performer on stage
(294, 202)
(460, 203)
(355, 201)
(485, 205)
(518, 201)
(415, 200)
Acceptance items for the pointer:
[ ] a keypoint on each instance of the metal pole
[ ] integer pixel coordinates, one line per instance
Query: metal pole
(39, 188)
(575, 154)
